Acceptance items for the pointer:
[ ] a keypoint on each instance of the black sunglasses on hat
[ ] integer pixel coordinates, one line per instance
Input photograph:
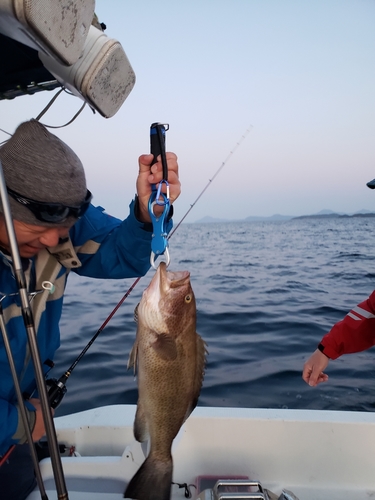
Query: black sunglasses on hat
(52, 212)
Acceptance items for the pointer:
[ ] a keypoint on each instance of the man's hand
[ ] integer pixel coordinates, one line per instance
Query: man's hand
(153, 175)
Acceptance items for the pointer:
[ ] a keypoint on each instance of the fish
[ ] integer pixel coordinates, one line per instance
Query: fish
(169, 358)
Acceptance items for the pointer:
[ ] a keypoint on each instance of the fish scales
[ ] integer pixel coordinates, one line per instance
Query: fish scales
(170, 359)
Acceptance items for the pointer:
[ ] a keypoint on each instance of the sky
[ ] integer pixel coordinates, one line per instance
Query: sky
(295, 77)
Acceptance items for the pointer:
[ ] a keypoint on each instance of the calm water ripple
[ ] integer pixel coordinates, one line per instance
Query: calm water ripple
(266, 293)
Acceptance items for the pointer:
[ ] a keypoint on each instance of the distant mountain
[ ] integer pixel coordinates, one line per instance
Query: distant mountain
(329, 214)
(363, 211)
(251, 218)
(323, 214)
(272, 217)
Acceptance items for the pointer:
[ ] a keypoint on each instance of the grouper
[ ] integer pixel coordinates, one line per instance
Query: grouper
(169, 358)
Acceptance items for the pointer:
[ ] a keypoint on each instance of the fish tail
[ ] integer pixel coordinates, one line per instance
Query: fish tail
(152, 481)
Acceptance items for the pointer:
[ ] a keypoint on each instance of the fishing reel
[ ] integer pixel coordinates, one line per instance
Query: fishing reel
(56, 390)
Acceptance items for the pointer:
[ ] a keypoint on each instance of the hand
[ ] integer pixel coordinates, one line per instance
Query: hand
(147, 177)
(313, 369)
(39, 430)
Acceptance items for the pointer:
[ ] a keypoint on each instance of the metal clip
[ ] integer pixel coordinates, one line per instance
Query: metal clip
(159, 194)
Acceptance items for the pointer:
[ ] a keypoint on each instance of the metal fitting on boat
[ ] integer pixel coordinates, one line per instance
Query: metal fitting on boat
(235, 489)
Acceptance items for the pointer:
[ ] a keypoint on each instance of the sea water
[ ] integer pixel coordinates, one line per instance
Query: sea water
(266, 293)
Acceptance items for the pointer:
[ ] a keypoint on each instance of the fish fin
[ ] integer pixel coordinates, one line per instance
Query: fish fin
(165, 347)
(132, 361)
(140, 427)
(136, 313)
(152, 481)
(199, 372)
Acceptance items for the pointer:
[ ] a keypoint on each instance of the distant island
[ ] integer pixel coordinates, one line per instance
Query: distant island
(323, 214)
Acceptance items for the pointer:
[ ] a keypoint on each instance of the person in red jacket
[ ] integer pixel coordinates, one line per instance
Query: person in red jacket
(355, 333)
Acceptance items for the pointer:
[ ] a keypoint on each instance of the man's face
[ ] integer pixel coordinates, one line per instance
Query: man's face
(31, 238)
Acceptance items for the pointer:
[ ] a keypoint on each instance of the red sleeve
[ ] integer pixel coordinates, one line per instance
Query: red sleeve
(355, 333)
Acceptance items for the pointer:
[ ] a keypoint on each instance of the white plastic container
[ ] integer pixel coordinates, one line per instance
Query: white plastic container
(102, 76)
(58, 28)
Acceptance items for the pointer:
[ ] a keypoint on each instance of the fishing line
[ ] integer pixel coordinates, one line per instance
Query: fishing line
(211, 180)
(57, 387)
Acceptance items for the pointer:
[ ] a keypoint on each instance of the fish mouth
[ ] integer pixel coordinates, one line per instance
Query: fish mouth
(172, 279)
(164, 280)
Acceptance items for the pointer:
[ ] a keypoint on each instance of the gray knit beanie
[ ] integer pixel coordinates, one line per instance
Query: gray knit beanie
(40, 166)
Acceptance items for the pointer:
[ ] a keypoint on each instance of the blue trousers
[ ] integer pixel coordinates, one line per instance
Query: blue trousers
(17, 477)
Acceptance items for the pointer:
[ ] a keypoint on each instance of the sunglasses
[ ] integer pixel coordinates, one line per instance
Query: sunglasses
(52, 212)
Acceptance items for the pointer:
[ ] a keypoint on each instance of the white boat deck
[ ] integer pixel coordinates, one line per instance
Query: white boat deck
(318, 455)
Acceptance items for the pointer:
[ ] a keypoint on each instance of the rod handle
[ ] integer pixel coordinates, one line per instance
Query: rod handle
(157, 139)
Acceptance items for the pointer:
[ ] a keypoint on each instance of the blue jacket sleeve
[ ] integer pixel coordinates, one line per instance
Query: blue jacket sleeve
(110, 248)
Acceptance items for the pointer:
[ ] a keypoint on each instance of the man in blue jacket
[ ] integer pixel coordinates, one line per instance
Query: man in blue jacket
(58, 230)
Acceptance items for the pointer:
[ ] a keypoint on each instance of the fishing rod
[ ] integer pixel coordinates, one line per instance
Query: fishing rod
(57, 388)
(35, 355)
(21, 406)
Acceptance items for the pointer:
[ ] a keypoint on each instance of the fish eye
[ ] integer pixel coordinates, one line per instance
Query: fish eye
(188, 299)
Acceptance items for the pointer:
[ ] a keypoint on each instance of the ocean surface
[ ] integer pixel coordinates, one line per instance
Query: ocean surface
(266, 293)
